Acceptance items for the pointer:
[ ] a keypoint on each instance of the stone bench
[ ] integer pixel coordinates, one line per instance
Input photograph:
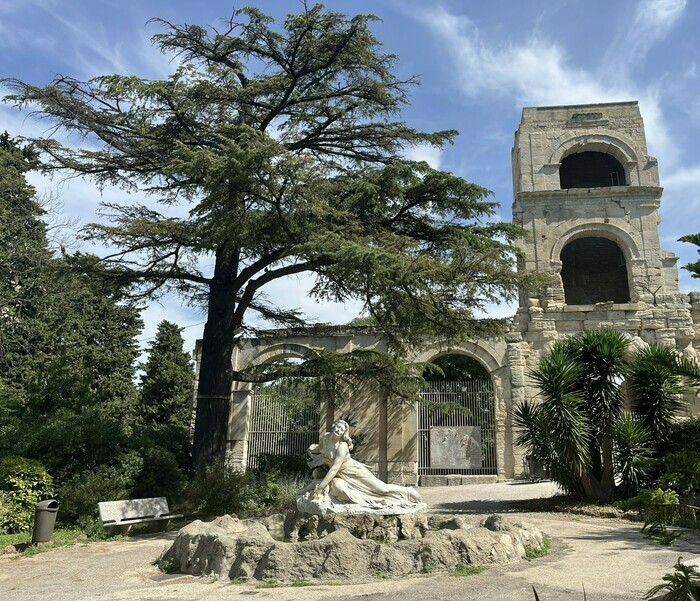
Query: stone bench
(124, 514)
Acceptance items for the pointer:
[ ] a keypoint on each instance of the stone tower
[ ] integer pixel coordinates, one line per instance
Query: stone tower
(588, 194)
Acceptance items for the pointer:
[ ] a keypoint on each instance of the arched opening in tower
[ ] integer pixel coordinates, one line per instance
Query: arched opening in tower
(594, 271)
(591, 170)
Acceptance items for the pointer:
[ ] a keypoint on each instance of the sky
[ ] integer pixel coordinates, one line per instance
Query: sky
(479, 64)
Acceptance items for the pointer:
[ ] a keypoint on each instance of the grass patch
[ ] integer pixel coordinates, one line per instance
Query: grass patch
(537, 552)
(297, 582)
(61, 537)
(169, 567)
(271, 583)
(468, 570)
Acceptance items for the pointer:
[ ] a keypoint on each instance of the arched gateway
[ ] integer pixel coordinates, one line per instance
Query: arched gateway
(587, 193)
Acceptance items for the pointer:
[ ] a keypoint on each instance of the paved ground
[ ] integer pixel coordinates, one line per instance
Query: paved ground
(610, 558)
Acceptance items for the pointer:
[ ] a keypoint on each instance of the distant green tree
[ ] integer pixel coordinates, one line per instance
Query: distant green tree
(67, 339)
(24, 259)
(165, 407)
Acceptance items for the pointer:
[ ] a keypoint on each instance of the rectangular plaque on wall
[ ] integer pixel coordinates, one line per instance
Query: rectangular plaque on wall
(456, 447)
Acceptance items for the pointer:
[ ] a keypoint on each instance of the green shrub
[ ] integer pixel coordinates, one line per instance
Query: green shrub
(224, 491)
(160, 475)
(659, 509)
(23, 482)
(80, 495)
(682, 472)
(292, 465)
(684, 436)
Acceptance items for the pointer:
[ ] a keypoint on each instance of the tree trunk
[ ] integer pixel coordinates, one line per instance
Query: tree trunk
(215, 371)
(599, 484)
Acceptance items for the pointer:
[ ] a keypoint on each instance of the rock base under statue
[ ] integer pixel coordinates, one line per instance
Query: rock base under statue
(231, 548)
(381, 527)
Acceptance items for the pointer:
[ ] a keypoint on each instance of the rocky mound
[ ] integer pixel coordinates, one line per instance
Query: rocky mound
(230, 548)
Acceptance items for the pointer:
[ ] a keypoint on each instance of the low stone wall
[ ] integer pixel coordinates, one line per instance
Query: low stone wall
(230, 548)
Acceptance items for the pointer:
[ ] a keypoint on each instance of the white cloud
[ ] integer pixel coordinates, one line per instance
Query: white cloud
(687, 177)
(652, 22)
(425, 152)
(538, 72)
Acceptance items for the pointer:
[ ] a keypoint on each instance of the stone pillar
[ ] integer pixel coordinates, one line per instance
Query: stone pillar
(517, 363)
(239, 427)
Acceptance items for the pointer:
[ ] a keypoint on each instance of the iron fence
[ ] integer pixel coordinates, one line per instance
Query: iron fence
(284, 421)
(456, 428)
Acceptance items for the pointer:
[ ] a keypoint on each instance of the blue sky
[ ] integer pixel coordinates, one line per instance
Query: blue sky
(479, 63)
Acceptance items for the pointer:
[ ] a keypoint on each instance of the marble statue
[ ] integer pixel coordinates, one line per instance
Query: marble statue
(344, 485)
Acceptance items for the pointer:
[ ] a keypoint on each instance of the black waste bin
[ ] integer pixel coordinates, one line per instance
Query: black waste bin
(44, 520)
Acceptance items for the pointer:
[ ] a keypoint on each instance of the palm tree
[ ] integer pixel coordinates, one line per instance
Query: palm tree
(579, 429)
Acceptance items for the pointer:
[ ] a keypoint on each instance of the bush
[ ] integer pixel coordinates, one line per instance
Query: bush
(224, 491)
(289, 465)
(658, 508)
(80, 495)
(684, 436)
(23, 482)
(160, 476)
(682, 472)
(681, 585)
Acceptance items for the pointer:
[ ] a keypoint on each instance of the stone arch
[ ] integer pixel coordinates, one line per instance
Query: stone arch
(616, 282)
(475, 350)
(603, 230)
(487, 412)
(622, 150)
(282, 350)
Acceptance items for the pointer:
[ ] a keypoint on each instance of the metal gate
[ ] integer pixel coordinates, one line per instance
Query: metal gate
(284, 420)
(456, 428)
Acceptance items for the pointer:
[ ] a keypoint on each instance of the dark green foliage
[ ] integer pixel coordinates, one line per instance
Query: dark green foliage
(682, 472)
(656, 391)
(67, 357)
(287, 465)
(80, 494)
(457, 367)
(579, 430)
(681, 585)
(23, 482)
(684, 436)
(161, 475)
(223, 491)
(657, 507)
(630, 452)
(70, 441)
(564, 449)
(165, 400)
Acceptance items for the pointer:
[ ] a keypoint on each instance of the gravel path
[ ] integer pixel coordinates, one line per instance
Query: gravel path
(609, 557)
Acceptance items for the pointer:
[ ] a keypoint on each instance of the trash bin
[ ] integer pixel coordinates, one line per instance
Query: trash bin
(44, 520)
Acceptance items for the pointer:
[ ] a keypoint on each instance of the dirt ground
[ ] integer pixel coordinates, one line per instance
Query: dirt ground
(608, 557)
